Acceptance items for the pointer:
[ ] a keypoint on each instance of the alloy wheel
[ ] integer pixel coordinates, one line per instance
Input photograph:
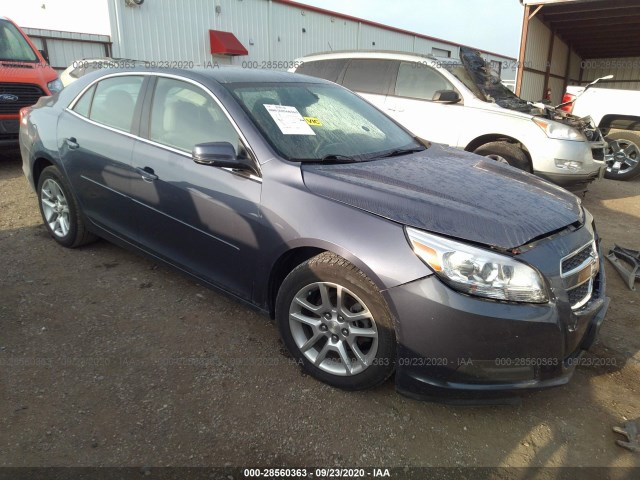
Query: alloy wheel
(333, 329)
(622, 157)
(55, 208)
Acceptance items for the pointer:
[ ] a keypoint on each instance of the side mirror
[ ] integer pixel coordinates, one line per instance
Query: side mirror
(220, 154)
(44, 55)
(446, 96)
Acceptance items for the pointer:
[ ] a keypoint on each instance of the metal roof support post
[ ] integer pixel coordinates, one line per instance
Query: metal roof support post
(567, 70)
(547, 70)
(523, 48)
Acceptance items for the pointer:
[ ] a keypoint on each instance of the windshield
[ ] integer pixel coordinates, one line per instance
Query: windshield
(13, 46)
(316, 122)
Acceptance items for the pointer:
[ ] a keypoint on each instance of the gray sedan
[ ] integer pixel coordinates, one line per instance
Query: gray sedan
(375, 251)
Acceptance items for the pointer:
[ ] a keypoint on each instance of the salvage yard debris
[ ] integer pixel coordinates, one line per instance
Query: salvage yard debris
(632, 432)
(628, 257)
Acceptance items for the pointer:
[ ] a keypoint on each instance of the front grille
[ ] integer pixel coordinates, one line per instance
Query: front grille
(26, 94)
(9, 136)
(577, 294)
(579, 272)
(598, 153)
(576, 260)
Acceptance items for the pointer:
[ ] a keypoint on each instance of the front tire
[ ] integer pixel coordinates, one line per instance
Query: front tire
(333, 320)
(60, 211)
(623, 160)
(504, 152)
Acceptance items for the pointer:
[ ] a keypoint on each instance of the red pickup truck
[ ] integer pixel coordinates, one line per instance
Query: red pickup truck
(25, 76)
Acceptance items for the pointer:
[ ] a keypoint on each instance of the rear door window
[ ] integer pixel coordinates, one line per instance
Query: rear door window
(326, 69)
(416, 80)
(369, 76)
(115, 100)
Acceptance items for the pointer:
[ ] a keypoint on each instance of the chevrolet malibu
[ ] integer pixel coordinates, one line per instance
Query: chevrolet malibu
(375, 251)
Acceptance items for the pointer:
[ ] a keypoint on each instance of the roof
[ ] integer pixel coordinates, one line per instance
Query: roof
(371, 53)
(219, 74)
(331, 13)
(593, 28)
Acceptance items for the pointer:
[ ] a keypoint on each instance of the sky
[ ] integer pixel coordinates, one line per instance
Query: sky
(492, 25)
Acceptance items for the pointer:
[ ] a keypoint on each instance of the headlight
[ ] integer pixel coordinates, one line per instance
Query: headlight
(477, 271)
(558, 130)
(55, 86)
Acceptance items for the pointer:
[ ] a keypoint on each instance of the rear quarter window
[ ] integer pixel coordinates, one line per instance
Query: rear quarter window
(83, 106)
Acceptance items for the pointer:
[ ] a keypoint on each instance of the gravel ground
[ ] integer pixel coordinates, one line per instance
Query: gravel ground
(107, 359)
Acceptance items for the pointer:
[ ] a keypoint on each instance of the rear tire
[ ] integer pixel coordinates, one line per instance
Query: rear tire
(59, 210)
(623, 159)
(334, 321)
(505, 153)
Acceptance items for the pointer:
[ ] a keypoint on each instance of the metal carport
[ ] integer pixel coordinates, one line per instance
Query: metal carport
(576, 41)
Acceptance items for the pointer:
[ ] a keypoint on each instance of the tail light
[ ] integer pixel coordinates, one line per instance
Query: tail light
(24, 112)
(568, 99)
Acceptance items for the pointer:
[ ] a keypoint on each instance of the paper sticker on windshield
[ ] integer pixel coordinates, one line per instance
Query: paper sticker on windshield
(313, 121)
(289, 120)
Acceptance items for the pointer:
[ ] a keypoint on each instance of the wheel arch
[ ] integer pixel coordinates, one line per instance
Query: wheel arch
(39, 164)
(620, 122)
(282, 267)
(299, 253)
(495, 137)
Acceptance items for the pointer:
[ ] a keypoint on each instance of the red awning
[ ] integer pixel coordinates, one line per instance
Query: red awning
(226, 43)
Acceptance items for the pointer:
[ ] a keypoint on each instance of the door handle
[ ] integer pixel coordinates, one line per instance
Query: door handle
(147, 174)
(395, 108)
(72, 143)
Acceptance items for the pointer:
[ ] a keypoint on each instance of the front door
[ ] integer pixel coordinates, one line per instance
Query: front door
(411, 104)
(204, 219)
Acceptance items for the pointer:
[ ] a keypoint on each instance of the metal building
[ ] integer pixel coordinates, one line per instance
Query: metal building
(258, 34)
(63, 48)
(573, 42)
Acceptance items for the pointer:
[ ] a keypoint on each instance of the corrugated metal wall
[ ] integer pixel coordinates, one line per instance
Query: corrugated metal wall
(166, 30)
(621, 68)
(574, 68)
(625, 70)
(537, 61)
(64, 48)
(532, 86)
(537, 46)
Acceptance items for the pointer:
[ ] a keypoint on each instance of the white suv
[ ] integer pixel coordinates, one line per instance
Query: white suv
(464, 104)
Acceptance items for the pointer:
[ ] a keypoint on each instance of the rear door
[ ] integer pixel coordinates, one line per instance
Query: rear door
(202, 218)
(96, 138)
(411, 103)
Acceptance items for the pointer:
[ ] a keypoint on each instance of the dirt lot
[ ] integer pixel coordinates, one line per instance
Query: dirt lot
(107, 359)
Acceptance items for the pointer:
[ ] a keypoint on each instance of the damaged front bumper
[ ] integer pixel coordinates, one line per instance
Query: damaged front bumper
(454, 346)
(570, 164)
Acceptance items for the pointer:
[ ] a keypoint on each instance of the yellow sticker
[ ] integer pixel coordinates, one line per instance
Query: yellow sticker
(313, 121)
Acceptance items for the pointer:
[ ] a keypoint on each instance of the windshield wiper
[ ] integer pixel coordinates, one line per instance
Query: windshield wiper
(330, 158)
(399, 151)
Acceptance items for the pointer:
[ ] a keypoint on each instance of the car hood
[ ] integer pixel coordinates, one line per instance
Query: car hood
(454, 193)
(490, 83)
(494, 92)
(27, 72)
